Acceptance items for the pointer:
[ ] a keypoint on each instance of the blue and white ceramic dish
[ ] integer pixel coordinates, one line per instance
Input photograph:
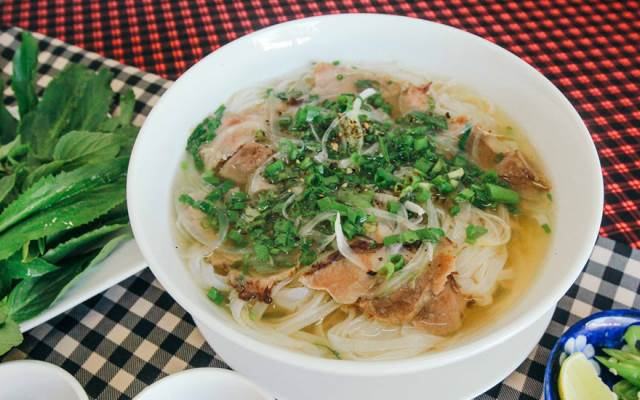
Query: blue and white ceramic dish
(589, 335)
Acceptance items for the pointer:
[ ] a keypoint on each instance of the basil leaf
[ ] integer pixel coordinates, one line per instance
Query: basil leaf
(33, 295)
(57, 112)
(124, 116)
(73, 211)
(6, 185)
(100, 256)
(44, 170)
(47, 192)
(8, 124)
(10, 335)
(31, 269)
(83, 243)
(5, 283)
(5, 149)
(82, 147)
(93, 104)
(24, 72)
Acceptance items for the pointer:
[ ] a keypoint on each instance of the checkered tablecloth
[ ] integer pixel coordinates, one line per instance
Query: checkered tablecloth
(117, 343)
(590, 49)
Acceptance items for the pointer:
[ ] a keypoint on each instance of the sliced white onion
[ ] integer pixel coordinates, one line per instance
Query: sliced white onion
(291, 298)
(295, 191)
(343, 246)
(308, 227)
(414, 208)
(257, 181)
(323, 156)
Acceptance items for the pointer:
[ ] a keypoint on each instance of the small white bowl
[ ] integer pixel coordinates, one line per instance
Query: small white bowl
(204, 384)
(33, 380)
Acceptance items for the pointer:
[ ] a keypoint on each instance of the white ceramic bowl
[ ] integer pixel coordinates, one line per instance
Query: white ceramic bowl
(31, 380)
(204, 384)
(552, 124)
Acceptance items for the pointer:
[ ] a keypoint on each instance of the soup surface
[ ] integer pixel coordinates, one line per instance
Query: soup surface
(355, 214)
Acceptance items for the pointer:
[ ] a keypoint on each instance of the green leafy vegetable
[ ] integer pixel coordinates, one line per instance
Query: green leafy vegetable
(60, 110)
(47, 192)
(25, 63)
(6, 185)
(10, 335)
(204, 133)
(31, 296)
(18, 269)
(62, 185)
(82, 243)
(73, 211)
(8, 124)
(82, 146)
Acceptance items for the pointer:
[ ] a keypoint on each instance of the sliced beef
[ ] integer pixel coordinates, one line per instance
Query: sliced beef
(245, 161)
(327, 84)
(257, 287)
(413, 98)
(405, 303)
(443, 314)
(489, 151)
(343, 280)
(515, 169)
(235, 131)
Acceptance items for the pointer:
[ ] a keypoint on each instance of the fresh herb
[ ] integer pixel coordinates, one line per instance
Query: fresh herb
(464, 137)
(62, 184)
(216, 296)
(625, 363)
(204, 133)
(546, 228)
(433, 235)
(474, 232)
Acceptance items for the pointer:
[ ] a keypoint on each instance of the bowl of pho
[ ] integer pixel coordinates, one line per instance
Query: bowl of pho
(364, 197)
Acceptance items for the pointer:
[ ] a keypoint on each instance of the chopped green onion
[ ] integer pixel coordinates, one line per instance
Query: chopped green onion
(546, 228)
(474, 232)
(262, 252)
(274, 168)
(502, 195)
(393, 206)
(421, 144)
(284, 121)
(339, 77)
(464, 137)
(429, 234)
(216, 296)
(388, 268)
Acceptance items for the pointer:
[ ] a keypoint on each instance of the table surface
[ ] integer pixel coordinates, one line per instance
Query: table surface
(589, 49)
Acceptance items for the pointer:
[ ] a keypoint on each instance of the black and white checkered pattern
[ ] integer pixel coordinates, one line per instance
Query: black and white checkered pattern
(118, 342)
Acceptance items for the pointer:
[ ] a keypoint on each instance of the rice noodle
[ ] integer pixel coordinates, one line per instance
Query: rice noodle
(358, 338)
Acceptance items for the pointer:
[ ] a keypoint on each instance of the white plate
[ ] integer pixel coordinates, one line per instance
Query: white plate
(121, 264)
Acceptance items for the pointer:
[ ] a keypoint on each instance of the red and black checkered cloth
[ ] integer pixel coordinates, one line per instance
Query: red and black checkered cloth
(589, 49)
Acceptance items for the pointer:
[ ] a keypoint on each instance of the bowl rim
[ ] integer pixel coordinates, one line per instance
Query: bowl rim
(204, 372)
(549, 384)
(362, 368)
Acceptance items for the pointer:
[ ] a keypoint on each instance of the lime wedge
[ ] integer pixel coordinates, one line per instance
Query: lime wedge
(578, 380)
